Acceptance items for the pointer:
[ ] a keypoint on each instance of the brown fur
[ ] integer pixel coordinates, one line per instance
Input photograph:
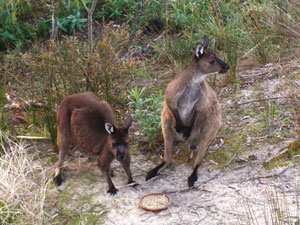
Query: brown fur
(82, 120)
(191, 108)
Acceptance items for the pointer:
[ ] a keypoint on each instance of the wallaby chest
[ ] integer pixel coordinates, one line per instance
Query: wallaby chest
(188, 100)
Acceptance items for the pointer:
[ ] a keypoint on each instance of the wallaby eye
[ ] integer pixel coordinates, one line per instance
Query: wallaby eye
(211, 62)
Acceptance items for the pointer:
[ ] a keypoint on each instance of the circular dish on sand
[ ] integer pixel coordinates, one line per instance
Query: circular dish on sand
(155, 202)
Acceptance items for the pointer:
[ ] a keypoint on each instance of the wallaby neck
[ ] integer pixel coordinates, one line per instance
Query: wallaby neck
(196, 73)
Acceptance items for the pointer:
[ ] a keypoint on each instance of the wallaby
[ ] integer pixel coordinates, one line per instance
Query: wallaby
(191, 108)
(89, 123)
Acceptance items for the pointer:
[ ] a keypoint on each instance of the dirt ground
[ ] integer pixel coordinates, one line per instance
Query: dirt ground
(242, 191)
(247, 194)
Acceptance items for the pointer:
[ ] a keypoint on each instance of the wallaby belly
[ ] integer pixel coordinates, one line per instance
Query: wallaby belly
(187, 103)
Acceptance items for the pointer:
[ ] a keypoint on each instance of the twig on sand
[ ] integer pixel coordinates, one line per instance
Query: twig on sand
(136, 184)
(230, 161)
(110, 220)
(272, 175)
(261, 100)
(128, 185)
(185, 190)
(267, 176)
(245, 197)
(226, 165)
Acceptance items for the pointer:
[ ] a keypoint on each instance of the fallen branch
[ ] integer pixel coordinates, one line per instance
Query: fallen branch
(264, 177)
(272, 175)
(185, 190)
(136, 184)
(230, 161)
(128, 185)
(245, 197)
(226, 165)
(260, 100)
(33, 138)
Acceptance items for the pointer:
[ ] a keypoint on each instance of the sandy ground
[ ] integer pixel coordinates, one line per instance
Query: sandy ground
(246, 194)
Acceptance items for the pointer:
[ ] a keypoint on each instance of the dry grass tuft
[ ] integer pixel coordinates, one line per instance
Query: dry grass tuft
(23, 184)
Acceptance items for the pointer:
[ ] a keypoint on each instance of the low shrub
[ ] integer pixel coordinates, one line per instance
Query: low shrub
(147, 110)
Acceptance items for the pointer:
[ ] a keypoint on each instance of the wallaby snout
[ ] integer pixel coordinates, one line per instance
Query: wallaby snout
(121, 153)
(224, 66)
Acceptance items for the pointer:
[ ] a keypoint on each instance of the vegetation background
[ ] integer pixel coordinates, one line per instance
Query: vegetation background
(137, 48)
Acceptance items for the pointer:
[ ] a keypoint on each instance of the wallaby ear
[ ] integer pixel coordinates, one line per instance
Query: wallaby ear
(200, 48)
(205, 42)
(127, 123)
(199, 51)
(109, 128)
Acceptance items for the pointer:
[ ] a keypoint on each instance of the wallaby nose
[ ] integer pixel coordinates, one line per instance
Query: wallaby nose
(120, 157)
(227, 67)
(224, 66)
(121, 152)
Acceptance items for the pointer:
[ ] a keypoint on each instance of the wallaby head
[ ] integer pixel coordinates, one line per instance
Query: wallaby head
(207, 61)
(119, 139)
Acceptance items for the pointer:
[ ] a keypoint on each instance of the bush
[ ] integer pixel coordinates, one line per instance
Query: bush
(14, 33)
(116, 10)
(44, 75)
(147, 111)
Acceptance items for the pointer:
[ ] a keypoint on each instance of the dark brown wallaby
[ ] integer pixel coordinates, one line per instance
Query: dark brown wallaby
(89, 123)
(191, 108)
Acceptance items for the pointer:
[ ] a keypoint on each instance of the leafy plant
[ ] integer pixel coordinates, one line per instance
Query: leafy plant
(71, 22)
(72, 18)
(117, 10)
(151, 20)
(147, 111)
(13, 32)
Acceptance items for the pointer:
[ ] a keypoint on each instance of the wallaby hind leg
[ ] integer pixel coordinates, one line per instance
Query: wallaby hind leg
(63, 142)
(58, 170)
(198, 160)
(168, 129)
(203, 136)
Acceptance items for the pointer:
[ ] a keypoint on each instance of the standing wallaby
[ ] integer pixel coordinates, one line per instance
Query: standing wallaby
(89, 123)
(191, 108)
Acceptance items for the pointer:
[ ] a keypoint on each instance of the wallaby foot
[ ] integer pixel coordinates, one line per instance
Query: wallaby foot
(58, 180)
(193, 178)
(112, 190)
(112, 173)
(153, 172)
